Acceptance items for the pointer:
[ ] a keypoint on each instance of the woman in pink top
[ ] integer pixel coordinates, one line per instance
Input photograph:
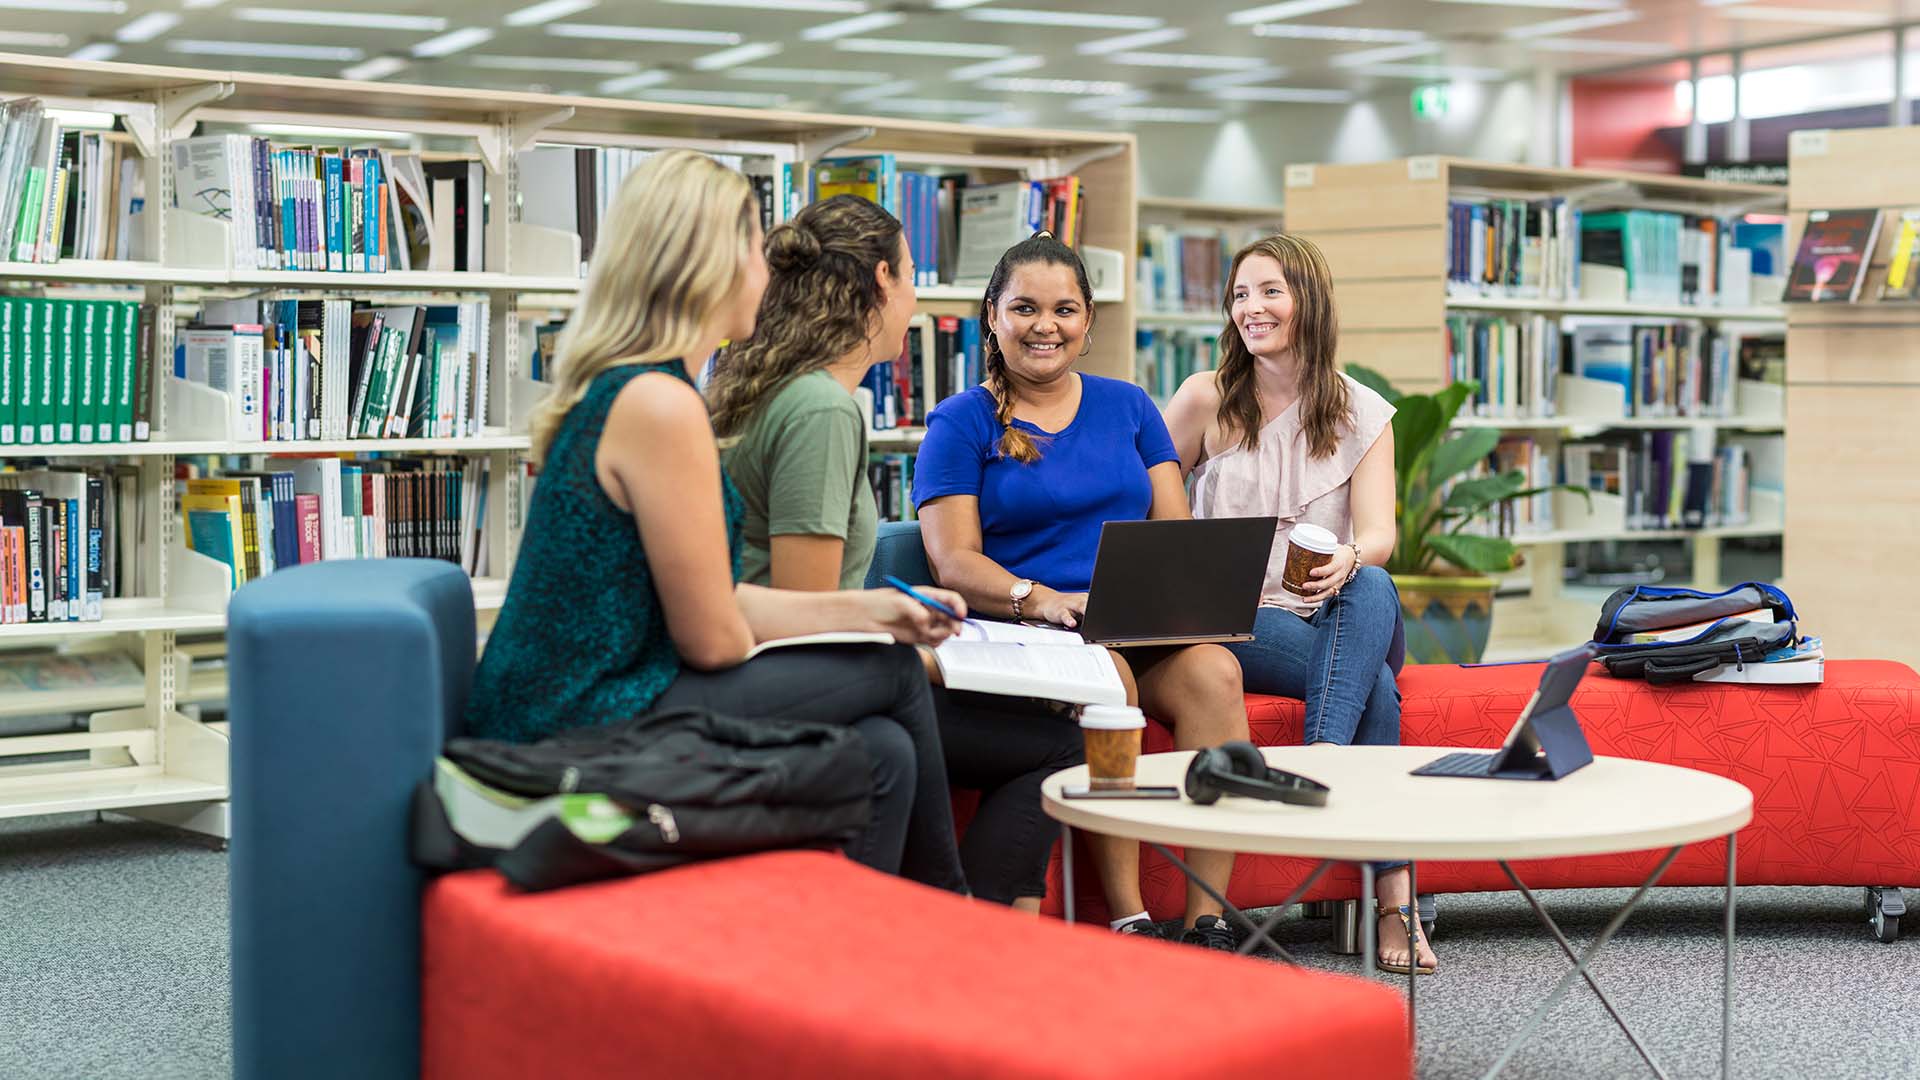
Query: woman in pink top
(1278, 431)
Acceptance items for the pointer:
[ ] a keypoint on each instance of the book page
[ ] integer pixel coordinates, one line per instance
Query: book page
(833, 637)
(990, 630)
(1081, 674)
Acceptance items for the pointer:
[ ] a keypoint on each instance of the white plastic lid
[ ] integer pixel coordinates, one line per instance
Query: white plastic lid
(1112, 717)
(1313, 538)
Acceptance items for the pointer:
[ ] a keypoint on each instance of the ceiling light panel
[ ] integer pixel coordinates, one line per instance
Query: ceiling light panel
(663, 34)
(367, 19)
(1087, 19)
(454, 41)
(538, 14)
(1078, 87)
(837, 7)
(1186, 60)
(554, 63)
(98, 50)
(1573, 25)
(1109, 102)
(814, 76)
(377, 68)
(940, 106)
(1126, 42)
(33, 40)
(859, 24)
(1567, 5)
(1293, 9)
(739, 99)
(1135, 114)
(1432, 72)
(922, 48)
(1008, 66)
(1811, 16)
(956, 5)
(1595, 45)
(1303, 95)
(734, 57)
(879, 91)
(1312, 32)
(1384, 55)
(1236, 78)
(264, 50)
(638, 81)
(146, 27)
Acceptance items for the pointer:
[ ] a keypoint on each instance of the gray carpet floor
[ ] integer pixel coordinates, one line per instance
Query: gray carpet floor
(113, 963)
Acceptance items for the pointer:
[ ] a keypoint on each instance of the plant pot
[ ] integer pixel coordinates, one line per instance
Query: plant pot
(1448, 617)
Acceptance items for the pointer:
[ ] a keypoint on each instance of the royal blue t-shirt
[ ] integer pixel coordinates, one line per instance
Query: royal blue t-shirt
(1042, 520)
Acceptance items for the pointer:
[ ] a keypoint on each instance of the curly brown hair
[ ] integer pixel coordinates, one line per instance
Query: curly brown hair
(822, 302)
(1315, 338)
(1041, 247)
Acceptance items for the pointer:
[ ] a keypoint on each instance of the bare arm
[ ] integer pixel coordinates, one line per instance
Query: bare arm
(1169, 493)
(950, 529)
(807, 563)
(656, 460)
(1371, 499)
(1189, 417)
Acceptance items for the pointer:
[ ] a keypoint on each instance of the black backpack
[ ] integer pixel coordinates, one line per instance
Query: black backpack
(697, 785)
(1724, 638)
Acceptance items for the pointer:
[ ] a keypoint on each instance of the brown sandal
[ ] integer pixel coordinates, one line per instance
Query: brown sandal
(1419, 937)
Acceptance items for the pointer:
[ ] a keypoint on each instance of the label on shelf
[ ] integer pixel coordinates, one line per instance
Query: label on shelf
(1808, 143)
(1299, 176)
(1424, 167)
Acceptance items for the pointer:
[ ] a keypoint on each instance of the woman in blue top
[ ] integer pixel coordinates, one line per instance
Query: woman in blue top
(1013, 482)
(624, 596)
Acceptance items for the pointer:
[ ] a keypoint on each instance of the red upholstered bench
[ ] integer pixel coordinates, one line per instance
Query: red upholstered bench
(802, 964)
(1834, 770)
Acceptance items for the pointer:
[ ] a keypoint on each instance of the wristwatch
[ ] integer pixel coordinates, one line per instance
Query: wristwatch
(1018, 594)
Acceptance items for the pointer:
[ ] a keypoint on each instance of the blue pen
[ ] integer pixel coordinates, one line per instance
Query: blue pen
(923, 598)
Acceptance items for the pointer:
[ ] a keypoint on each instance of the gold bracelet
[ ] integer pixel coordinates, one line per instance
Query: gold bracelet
(1359, 561)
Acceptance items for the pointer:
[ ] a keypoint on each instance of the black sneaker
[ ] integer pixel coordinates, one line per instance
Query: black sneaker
(1211, 932)
(1142, 928)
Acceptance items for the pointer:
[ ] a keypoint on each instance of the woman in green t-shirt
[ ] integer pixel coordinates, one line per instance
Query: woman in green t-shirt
(838, 299)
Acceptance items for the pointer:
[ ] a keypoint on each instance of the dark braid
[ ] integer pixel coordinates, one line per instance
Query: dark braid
(1041, 247)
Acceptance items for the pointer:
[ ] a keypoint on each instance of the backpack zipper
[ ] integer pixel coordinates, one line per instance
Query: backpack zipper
(662, 819)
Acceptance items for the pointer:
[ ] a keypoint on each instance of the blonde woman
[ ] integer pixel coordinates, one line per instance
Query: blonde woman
(625, 599)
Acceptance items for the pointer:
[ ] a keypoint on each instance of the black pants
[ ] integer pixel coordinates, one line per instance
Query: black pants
(1004, 747)
(881, 692)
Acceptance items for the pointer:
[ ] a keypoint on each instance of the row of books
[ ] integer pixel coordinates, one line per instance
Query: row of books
(341, 369)
(1836, 251)
(570, 189)
(1667, 479)
(891, 476)
(63, 194)
(1185, 269)
(941, 357)
(62, 536)
(302, 510)
(343, 209)
(1515, 362)
(75, 371)
(1548, 249)
(1163, 358)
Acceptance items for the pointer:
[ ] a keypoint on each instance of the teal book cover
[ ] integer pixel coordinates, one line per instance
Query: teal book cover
(213, 537)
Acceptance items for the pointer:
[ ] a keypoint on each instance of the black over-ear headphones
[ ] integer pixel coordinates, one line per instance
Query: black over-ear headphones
(1236, 768)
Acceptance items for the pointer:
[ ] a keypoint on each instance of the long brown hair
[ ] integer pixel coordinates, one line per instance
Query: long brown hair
(822, 302)
(680, 228)
(1041, 247)
(1314, 337)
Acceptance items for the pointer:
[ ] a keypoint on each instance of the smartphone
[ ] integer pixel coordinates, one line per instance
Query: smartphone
(1146, 792)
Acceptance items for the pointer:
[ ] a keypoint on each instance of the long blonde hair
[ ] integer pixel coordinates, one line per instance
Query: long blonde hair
(667, 259)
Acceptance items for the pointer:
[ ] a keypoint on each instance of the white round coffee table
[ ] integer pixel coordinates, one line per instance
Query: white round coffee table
(1377, 812)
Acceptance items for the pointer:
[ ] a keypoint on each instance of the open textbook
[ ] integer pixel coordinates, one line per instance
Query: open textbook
(1006, 659)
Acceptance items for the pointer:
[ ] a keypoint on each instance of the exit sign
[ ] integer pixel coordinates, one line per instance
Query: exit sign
(1430, 102)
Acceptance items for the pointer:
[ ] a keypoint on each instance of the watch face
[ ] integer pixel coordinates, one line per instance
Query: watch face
(1021, 589)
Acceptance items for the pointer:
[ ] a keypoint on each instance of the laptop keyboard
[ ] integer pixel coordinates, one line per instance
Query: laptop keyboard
(1461, 764)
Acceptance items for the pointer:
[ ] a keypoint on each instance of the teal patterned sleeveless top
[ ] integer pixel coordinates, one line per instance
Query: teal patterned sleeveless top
(582, 639)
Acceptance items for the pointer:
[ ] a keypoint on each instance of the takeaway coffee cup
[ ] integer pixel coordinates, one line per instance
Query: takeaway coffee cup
(1113, 745)
(1308, 547)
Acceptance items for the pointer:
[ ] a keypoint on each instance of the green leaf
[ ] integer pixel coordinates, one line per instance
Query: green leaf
(1460, 453)
(1481, 492)
(1479, 554)
(1416, 427)
(1453, 397)
(1373, 381)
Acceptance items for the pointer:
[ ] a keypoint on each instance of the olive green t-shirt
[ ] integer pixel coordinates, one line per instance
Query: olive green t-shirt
(800, 466)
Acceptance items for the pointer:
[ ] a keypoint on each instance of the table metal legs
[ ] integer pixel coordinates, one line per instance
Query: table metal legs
(1066, 869)
(1726, 977)
(1257, 932)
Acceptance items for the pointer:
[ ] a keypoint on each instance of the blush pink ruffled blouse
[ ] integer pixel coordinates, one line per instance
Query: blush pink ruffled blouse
(1280, 479)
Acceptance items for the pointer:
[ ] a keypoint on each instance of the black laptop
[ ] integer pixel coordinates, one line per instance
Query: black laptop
(1177, 582)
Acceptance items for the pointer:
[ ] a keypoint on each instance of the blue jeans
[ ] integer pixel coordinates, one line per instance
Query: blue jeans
(1335, 661)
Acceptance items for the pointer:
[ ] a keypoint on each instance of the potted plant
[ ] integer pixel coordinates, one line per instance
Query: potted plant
(1442, 570)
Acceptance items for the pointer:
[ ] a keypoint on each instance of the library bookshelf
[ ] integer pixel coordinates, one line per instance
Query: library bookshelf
(1384, 229)
(1853, 388)
(142, 754)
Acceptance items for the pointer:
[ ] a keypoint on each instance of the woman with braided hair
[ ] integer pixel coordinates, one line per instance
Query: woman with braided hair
(1013, 483)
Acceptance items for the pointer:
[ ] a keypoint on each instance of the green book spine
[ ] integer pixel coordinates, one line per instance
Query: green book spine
(9, 311)
(373, 420)
(26, 389)
(103, 388)
(66, 353)
(46, 340)
(124, 327)
(26, 229)
(86, 369)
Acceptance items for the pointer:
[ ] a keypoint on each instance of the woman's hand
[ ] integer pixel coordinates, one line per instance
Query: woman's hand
(1324, 581)
(889, 611)
(1058, 608)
